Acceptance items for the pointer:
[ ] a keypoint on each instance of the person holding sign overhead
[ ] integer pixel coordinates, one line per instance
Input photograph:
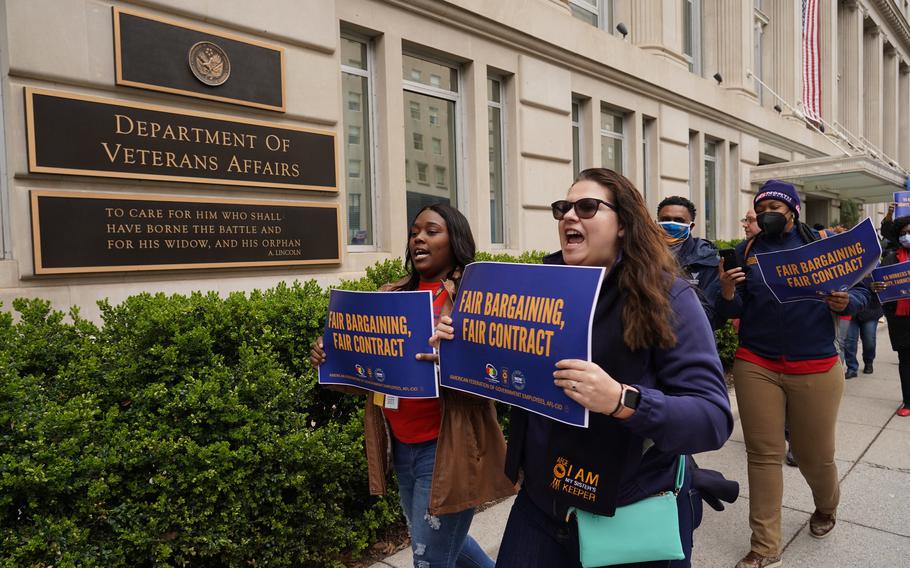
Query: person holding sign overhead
(786, 368)
(655, 387)
(898, 313)
(448, 452)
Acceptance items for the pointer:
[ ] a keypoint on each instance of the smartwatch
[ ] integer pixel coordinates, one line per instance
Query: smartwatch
(630, 398)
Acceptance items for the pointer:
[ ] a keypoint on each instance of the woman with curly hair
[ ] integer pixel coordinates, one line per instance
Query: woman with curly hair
(654, 387)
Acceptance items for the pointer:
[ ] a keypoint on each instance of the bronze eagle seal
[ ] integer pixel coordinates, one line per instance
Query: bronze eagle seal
(209, 63)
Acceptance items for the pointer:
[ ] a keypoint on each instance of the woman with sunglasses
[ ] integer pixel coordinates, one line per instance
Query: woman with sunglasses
(447, 452)
(655, 385)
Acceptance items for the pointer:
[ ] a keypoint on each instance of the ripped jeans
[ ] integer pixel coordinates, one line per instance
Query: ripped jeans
(436, 541)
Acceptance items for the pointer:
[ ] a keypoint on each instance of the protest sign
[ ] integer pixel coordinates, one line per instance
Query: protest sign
(513, 322)
(371, 339)
(813, 271)
(901, 203)
(897, 280)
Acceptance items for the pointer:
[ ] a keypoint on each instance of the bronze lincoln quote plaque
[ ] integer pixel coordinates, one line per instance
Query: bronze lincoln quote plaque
(85, 135)
(96, 232)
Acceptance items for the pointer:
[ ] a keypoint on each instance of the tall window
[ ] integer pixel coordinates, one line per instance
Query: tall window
(691, 33)
(356, 79)
(494, 133)
(612, 141)
(440, 176)
(440, 94)
(710, 190)
(598, 13)
(760, 22)
(647, 135)
(421, 174)
(576, 138)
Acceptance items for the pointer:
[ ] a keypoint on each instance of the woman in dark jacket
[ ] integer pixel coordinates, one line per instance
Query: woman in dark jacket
(786, 368)
(898, 313)
(655, 385)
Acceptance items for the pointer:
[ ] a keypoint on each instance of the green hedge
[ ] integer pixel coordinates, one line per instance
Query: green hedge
(182, 431)
(722, 244)
(186, 431)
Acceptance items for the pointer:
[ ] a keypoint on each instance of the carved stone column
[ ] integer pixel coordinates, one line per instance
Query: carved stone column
(889, 101)
(828, 58)
(734, 46)
(784, 42)
(657, 28)
(872, 85)
(903, 111)
(850, 67)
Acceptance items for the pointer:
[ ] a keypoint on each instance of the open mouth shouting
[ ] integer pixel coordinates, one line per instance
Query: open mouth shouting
(420, 253)
(573, 237)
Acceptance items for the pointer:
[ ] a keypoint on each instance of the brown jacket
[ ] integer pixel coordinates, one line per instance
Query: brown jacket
(470, 450)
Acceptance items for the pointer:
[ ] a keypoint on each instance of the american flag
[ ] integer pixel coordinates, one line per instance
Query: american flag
(811, 71)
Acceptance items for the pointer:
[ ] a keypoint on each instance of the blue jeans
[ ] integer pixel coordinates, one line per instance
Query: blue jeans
(865, 330)
(436, 541)
(840, 336)
(534, 539)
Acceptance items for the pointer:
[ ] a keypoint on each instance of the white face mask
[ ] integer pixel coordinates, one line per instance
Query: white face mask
(905, 241)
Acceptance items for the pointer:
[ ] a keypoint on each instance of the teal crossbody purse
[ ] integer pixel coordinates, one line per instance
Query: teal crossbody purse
(641, 532)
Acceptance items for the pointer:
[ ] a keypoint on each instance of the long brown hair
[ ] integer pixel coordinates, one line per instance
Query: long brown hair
(648, 267)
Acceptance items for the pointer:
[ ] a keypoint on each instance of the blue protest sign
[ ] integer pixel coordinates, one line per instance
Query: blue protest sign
(901, 203)
(897, 280)
(812, 271)
(371, 339)
(513, 322)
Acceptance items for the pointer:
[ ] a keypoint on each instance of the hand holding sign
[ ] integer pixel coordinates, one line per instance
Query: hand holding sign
(837, 301)
(588, 384)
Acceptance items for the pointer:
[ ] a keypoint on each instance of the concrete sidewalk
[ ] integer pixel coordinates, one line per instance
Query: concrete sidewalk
(873, 459)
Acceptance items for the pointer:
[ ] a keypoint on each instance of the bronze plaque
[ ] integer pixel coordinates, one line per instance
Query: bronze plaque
(172, 57)
(90, 136)
(97, 232)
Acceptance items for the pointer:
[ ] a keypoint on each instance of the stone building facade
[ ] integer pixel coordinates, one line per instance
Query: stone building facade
(490, 106)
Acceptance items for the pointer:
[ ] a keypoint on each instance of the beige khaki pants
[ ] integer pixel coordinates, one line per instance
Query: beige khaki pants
(810, 404)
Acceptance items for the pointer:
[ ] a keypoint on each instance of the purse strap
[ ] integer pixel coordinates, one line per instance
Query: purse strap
(680, 475)
(677, 487)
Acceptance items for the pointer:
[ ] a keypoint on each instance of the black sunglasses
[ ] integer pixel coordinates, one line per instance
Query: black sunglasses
(585, 208)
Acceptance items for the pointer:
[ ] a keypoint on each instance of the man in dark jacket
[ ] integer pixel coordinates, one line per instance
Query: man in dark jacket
(697, 257)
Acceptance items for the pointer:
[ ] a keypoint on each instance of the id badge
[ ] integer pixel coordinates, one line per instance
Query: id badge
(391, 402)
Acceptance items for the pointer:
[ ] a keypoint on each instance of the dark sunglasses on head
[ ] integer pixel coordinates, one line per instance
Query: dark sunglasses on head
(585, 208)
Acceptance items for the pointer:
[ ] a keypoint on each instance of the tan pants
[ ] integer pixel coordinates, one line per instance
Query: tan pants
(810, 403)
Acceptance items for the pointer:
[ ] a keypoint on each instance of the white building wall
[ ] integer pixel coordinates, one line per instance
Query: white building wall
(544, 56)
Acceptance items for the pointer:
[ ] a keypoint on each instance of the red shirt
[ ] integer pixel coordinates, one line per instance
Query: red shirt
(782, 365)
(417, 419)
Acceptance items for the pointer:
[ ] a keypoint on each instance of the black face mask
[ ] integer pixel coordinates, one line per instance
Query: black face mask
(772, 223)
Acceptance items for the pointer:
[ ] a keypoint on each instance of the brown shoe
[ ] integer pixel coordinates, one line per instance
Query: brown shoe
(821, 525)
(756, 560)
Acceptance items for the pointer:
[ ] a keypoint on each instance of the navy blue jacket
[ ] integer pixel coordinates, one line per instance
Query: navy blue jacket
(796, 331)
(698, 259)
(684, 408)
